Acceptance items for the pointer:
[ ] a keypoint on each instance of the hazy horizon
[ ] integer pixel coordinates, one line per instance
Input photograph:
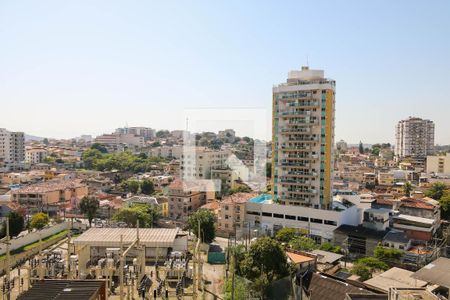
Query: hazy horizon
(72, 68)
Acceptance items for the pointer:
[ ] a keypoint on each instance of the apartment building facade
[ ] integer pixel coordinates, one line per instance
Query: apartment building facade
(49, 196)
(185, 197)
(35, 155)
(438, 164)
(197, 163)
(12, 149)
(414, 137)
(303, 137)
(231, 217)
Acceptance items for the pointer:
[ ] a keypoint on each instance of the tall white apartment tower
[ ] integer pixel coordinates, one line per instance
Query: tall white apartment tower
(414, 138)
(12, 148)
(303, 137)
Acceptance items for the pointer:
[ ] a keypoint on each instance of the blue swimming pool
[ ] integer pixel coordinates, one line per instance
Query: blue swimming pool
(261, 198)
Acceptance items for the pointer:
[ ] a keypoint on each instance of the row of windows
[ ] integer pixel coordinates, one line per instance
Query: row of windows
(292, 217)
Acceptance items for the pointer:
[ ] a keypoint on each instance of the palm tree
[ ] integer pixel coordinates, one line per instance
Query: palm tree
(407, 189)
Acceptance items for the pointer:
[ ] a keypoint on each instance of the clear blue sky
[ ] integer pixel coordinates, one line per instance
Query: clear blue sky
(86, 67)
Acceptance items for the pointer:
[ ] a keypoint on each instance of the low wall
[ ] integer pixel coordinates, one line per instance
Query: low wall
(33, 237)
(20, 257)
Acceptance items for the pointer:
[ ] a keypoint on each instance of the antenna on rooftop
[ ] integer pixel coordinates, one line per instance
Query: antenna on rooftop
(307, 60)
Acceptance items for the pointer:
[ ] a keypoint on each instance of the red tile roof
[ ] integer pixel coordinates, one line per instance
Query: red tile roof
(239, 198)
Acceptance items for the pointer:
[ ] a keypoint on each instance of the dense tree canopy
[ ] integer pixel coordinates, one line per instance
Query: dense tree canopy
(147, 187)
(89, 206)
(146, 214)
(16, 224)
(121, 161)
(265, 257)
(303, 243)
(39, 220)
(436, 191)
(365, 267)
(207, 220)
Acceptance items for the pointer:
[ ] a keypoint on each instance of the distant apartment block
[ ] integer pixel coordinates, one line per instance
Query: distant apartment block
(145, 132)
(414, 138)
(232, 210)
(198, 162)
(185, 197)
(35, 155)
(438, 164)
(119, 138)
(175, 151)
(50, 196)
(12, 149)
(303, 137)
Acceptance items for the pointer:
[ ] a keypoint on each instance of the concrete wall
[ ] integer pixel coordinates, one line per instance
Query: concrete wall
(34, 236)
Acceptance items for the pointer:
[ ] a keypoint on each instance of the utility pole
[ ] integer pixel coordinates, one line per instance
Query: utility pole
(8, 262)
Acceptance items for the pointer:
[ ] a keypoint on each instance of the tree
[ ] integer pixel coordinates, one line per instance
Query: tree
(330, 248)
(303, 243)
(99, 147)
(387, 255)
(265, 258)
(16, 224)
(241, 289)
(39, 220)
(407, 189)
(240, 189)
(162, 134)
(365, 267)
(146, 214)
(89, 206)
(132, 186)
(207, 220)
(147, 187)
(444, 202)
(286, 234)
(361, 148)
(436, 191)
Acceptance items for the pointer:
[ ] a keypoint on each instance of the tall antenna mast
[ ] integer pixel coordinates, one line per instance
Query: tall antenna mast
(307, 60)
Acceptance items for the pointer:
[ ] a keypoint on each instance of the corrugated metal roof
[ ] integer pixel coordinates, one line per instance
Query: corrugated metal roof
(436, 272)
(110, 237)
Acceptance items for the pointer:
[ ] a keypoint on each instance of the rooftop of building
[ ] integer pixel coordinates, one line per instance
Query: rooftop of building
(238, 198)
(110, 237)
(396, 237)
(211, 205)
(64, 290)
(327, 257)
(394, 277)
(436, 272)
(322, 287)
(297, 258)
(360, 231)
(49, 186)
(427, 203)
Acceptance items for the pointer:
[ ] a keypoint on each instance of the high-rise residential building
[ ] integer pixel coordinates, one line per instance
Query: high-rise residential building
(303, 137)
(12, 148)
(414, 138)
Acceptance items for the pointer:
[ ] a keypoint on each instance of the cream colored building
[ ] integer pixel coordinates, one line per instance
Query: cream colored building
(385, 178)
(197, 163)
(438, 164)
(49, 196)
(185, 197)
(35, 155)
(12, 149)
(303, 137)
(231, 217)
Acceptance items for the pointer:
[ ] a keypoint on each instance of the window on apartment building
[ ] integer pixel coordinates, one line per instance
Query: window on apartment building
(226, 217)
(226, 207)
(289, 217)
(226, 225)
(313, 220)
(304, 219)
(266, 214)
(329, 222)
(279, 216)
(254, 213)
